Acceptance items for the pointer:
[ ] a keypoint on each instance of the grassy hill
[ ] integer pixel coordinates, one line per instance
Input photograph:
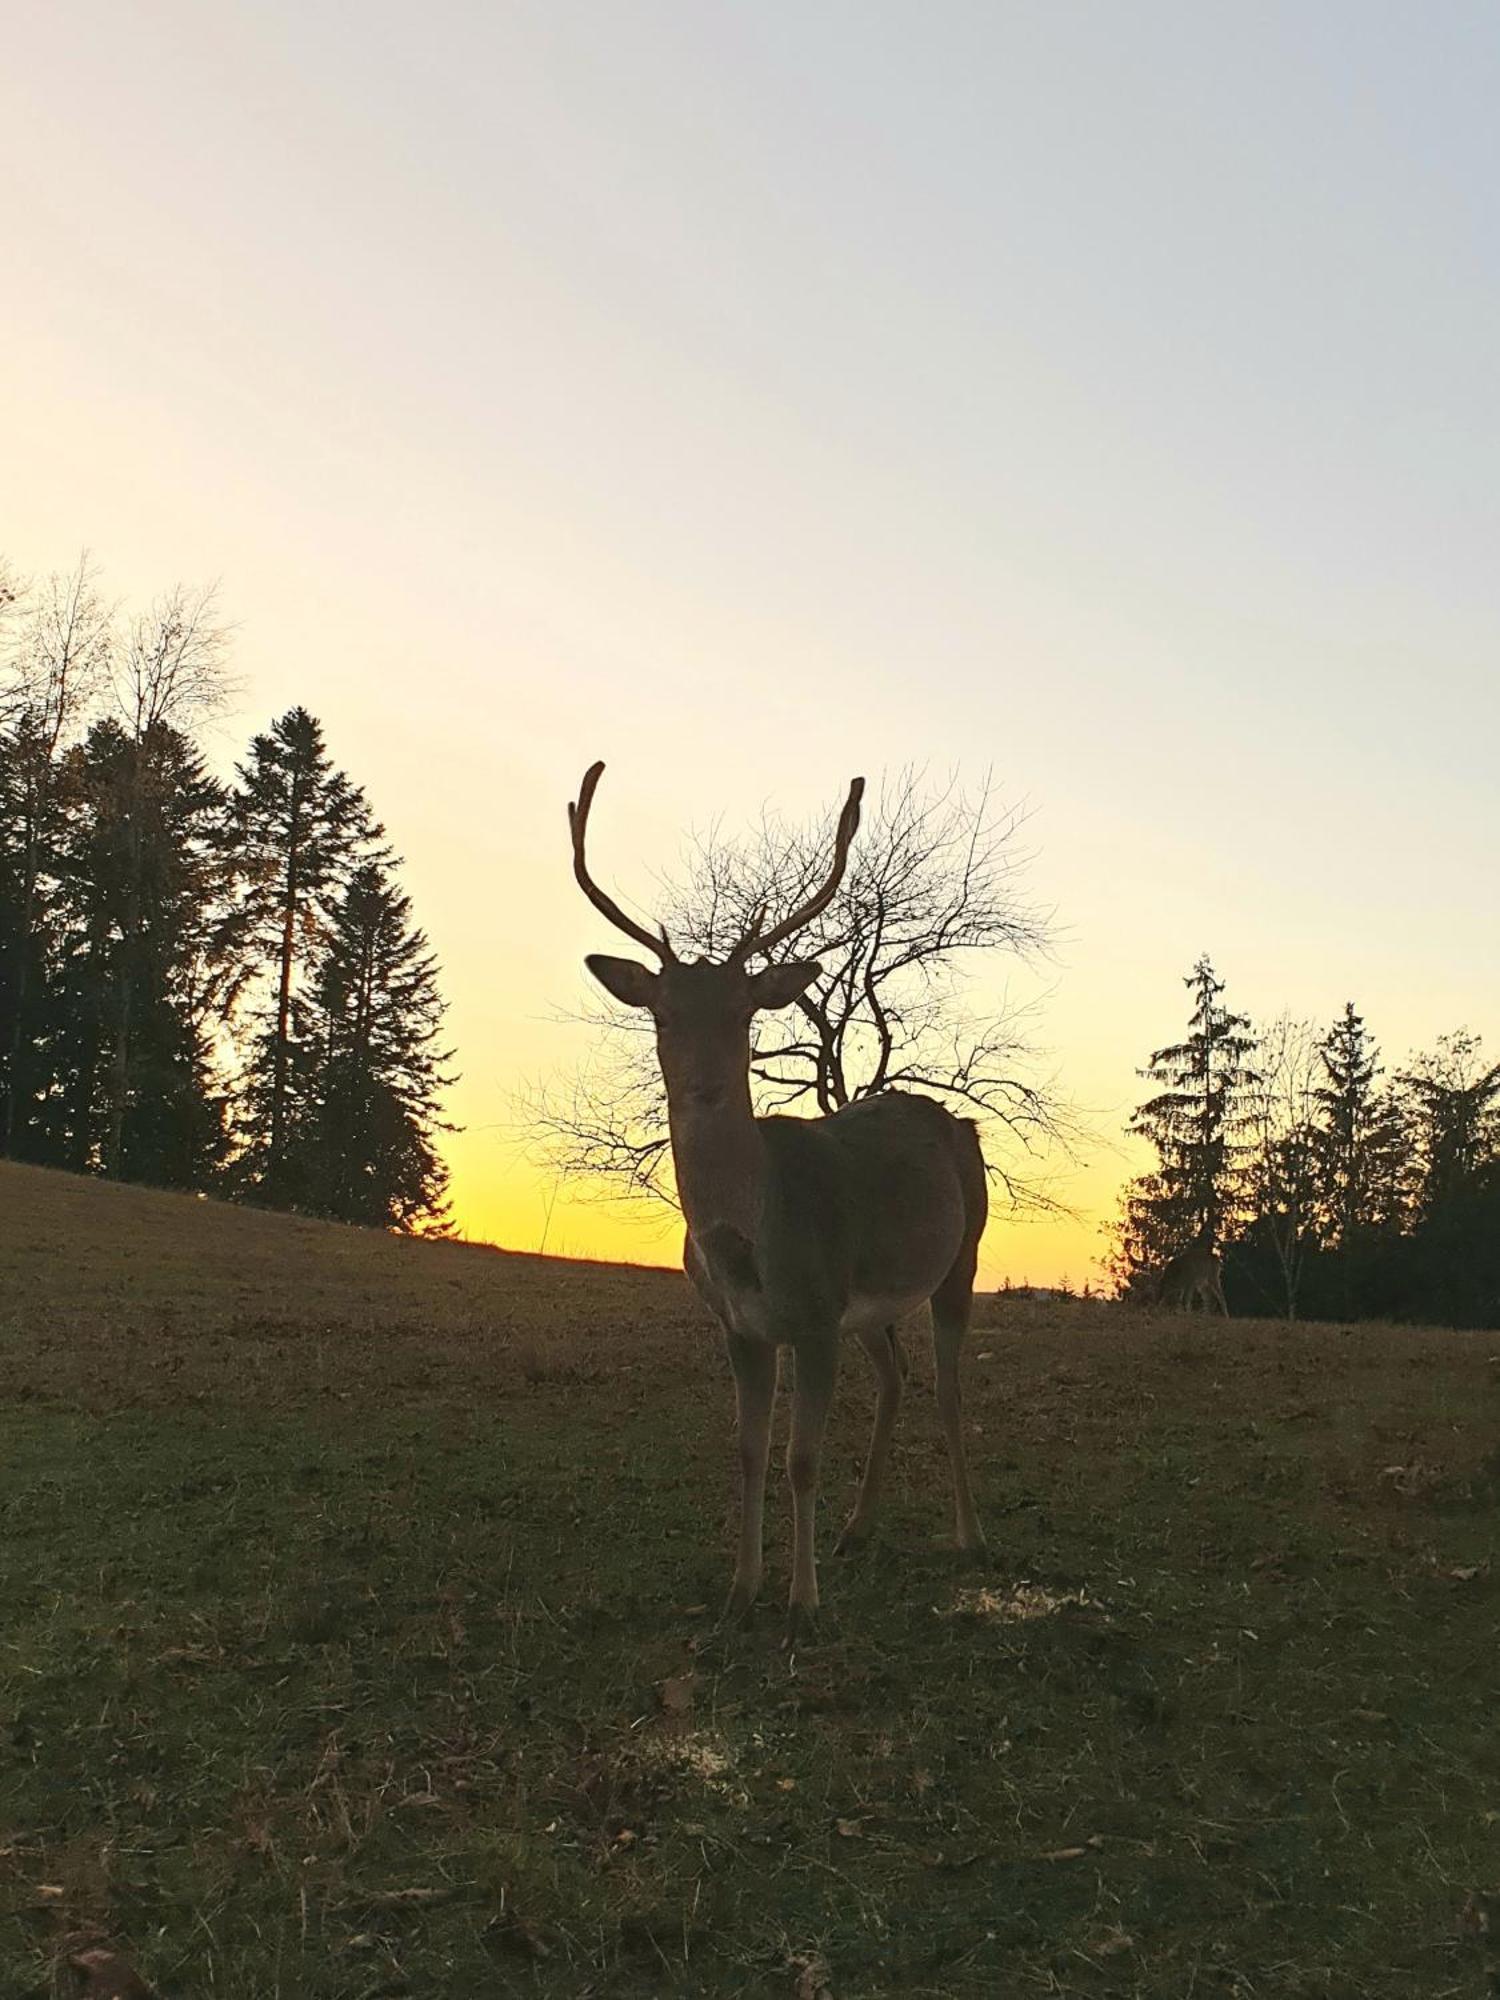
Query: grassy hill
(353, 1642)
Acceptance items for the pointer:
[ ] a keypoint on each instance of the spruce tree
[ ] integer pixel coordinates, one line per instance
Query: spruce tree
(1454, 1101)
(1359, 1139)
(369, 1150)
(300, 828)
(1194, 1121)
(1452, 1267)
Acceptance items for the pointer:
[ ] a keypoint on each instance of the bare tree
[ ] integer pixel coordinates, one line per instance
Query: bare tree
(1282, 1106)
(931, 895)
(171, 671)
(15, 595)
(59, 644)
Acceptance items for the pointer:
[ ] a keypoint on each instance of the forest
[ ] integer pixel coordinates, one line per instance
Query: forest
(1334, 1186)
(205, 985)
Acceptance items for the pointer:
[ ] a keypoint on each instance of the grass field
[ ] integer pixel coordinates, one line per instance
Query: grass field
(355, 1640)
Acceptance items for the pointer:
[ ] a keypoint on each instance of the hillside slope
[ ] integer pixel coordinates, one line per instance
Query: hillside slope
(120, 1291)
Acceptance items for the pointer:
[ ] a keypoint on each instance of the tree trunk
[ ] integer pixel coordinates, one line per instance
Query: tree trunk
(119, 1073)
(284, 987)
(14, 1078)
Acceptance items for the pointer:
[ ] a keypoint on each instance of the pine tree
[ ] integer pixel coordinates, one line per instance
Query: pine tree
(301, 827)
(1194, 1121)
(370, 1148)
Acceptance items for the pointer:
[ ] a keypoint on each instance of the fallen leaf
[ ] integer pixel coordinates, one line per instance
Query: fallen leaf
(1465, 1573)
(398, 1899)
(851, 1829)
(1093, 1843)
(786, 1784)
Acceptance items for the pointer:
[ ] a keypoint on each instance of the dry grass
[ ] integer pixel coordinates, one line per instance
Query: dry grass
(353, 1642)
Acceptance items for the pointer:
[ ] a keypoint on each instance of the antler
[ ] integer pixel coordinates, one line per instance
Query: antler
(578, 819)
(752, 941)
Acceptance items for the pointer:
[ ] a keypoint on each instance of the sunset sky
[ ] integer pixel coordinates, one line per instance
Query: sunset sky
(756, 395)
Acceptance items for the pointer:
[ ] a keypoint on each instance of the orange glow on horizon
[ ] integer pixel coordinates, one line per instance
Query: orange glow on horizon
(522, 1208)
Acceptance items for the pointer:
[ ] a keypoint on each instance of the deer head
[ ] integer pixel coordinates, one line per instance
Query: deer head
(702, 1010)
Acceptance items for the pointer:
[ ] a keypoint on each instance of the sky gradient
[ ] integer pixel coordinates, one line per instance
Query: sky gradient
(754, 396)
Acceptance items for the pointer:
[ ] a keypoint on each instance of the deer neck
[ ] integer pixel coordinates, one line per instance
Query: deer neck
(719, 1156)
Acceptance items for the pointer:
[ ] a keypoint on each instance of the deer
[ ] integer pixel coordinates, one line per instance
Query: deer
(1193, 1277)
(802, 1230)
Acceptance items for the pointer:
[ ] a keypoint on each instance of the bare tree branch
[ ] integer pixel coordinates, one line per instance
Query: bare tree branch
(930, 898)
(171, 668)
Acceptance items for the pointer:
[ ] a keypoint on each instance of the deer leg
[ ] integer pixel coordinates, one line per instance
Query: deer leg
(884, 1350)
(812, 1393)
(754, 1365)
(952, 1304)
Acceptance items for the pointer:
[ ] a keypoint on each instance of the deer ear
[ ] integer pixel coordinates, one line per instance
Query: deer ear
(779, 985)
(624, 980)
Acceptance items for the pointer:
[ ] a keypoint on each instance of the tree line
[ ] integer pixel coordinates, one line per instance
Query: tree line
(1332, 1185)
(204, 984)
